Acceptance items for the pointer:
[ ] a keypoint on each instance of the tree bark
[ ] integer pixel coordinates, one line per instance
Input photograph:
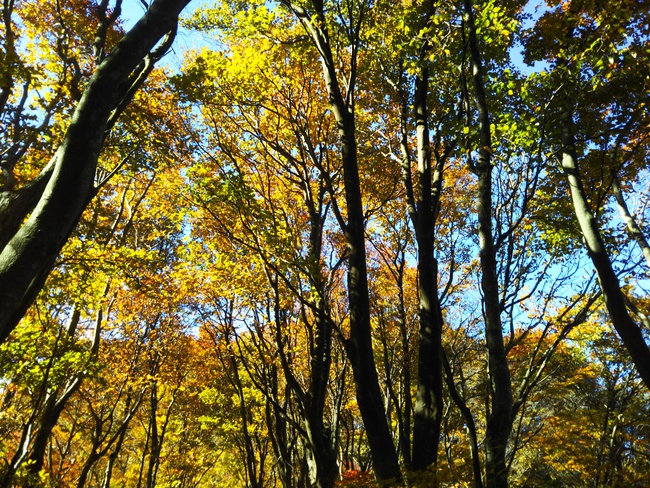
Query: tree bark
(30, 252)
(428, 402)
(321, 441)
(499, 419)
(359, 344)
(629, 332)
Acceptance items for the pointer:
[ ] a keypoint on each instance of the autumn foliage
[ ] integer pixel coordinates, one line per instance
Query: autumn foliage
(336, 244)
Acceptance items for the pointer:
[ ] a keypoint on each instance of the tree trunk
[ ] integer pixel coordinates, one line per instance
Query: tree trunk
(50, 416)
(428, 403)
(325, 464)
(54, 406)
(278, 432)
(359, 344)
(499, 419)
(629, 332)
(251, 465)
(469, 421)
(26, 259)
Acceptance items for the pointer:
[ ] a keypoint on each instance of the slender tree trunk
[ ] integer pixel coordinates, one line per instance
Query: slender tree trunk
(50, 416)
(359, 344)
(324, 455)
(112, 457)
(321, 456)
(251, 467)
(631, 225)
(405, 393)
(499, 418)
(275, 419)
(153, 429)
(54, 406)
(629, 332)
(87, 466)
(469, 422)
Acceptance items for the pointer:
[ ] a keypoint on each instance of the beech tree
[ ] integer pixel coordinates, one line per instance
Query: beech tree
(335, 248)
(38, 217)
(599, 72)
(342, 102)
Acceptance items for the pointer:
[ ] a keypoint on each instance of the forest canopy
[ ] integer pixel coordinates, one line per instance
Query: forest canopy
(332, 243)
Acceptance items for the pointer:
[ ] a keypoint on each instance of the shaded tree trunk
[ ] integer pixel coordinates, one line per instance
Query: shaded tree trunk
(322, 441)
(499, 418)
(31, 249)
(428, 403)
(359, 344)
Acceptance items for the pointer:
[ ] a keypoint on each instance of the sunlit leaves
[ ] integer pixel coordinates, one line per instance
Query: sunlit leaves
(48, 52)
(214, 251)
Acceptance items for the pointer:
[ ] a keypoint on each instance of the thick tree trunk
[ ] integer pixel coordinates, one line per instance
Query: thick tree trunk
(16, 205)
(26, 259)
(629, 332)
(428, 403)
(321, 457)
(359, 344)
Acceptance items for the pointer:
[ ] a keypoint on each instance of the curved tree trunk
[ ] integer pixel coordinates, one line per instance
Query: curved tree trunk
(30, 251)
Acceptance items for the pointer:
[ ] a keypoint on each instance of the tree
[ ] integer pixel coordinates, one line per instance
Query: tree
(38, 218)
(598, 83)
(630, 332)
(245, 297)
(422, 201)
(359, 343)
(499, 423)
